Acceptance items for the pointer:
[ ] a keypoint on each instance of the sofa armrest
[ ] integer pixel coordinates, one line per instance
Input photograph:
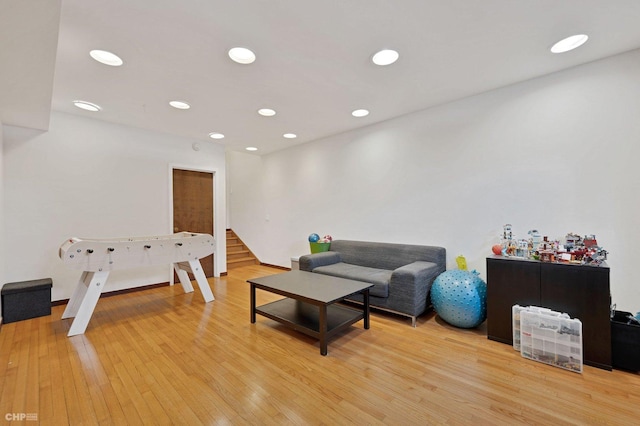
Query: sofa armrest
(416, 271)
(309, 262)
(410, 285)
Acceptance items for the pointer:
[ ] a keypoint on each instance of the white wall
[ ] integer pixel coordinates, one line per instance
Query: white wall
(557, 154)
(244, 171)
(92, 179)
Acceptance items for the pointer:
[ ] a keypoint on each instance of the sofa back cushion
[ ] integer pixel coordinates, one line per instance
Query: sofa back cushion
(386, 255)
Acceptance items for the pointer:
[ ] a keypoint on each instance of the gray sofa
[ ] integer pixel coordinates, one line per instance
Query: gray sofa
(401, 274)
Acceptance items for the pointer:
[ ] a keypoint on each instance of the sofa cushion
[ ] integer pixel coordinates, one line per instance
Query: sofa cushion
(386, 255)
(378, 277)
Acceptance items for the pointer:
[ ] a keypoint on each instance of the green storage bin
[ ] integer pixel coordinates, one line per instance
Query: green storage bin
(319, 247)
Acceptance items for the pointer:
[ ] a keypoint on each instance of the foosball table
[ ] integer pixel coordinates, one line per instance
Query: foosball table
(98, 257)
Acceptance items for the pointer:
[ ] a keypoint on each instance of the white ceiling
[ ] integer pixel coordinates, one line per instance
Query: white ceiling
(313, 59)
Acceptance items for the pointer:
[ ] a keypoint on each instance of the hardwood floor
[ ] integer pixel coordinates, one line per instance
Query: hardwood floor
(160, 356)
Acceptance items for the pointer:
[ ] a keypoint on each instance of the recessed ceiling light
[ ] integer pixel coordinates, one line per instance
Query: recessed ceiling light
(87, 106)
(106, 58)
(251, 148)
(242, 55)
(267, 112)
(360, 113)
(179, 104)
(385, 57)
(290, 135)
(216, 135)
(569, 43)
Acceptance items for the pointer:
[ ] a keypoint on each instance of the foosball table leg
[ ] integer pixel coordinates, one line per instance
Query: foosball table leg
(181, 269)
(201, 279)
(84, 300)
(195, 268)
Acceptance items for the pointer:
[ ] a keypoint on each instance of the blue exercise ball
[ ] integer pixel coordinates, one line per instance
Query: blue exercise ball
(460, 298)
(313, 238)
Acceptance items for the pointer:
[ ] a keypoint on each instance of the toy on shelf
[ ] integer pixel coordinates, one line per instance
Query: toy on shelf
(546, 251)
(582, 250)
(535, 238)
(510, 245)
(507, 233)
(575, 249)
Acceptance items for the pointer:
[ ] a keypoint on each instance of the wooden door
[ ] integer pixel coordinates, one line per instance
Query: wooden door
(193, 207)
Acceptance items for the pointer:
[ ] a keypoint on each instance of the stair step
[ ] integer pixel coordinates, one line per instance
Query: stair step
(238, 250)
(231, 256)
(244, 261)
(238, 254)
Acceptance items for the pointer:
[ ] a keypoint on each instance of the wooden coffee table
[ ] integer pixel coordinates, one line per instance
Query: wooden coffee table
(310, 304)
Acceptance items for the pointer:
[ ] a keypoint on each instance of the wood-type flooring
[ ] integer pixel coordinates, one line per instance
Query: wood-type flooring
(160, 356)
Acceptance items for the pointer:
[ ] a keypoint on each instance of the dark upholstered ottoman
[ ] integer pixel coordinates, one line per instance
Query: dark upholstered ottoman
(26, 299)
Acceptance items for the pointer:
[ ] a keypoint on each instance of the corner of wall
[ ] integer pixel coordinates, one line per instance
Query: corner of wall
(2, 239)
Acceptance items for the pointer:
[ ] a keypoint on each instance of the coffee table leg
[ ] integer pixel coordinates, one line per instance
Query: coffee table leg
(323, 329)
(366, 309)
(253, 304)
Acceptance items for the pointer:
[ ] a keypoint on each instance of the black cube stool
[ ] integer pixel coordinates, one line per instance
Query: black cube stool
(625, 341)
(26, 299)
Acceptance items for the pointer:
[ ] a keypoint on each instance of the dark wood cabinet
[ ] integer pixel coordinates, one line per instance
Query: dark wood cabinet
(509, 283)
(581, 291)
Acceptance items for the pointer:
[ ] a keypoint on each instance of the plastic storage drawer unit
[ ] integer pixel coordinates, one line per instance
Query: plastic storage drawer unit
(26, 299)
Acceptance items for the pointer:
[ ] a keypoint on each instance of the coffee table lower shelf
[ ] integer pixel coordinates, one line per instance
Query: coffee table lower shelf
(305, 317)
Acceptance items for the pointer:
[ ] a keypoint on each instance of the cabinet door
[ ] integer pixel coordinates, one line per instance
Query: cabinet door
(583, 293)
(509, 282)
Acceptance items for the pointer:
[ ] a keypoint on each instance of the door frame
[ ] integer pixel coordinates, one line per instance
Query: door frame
(217, 202)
